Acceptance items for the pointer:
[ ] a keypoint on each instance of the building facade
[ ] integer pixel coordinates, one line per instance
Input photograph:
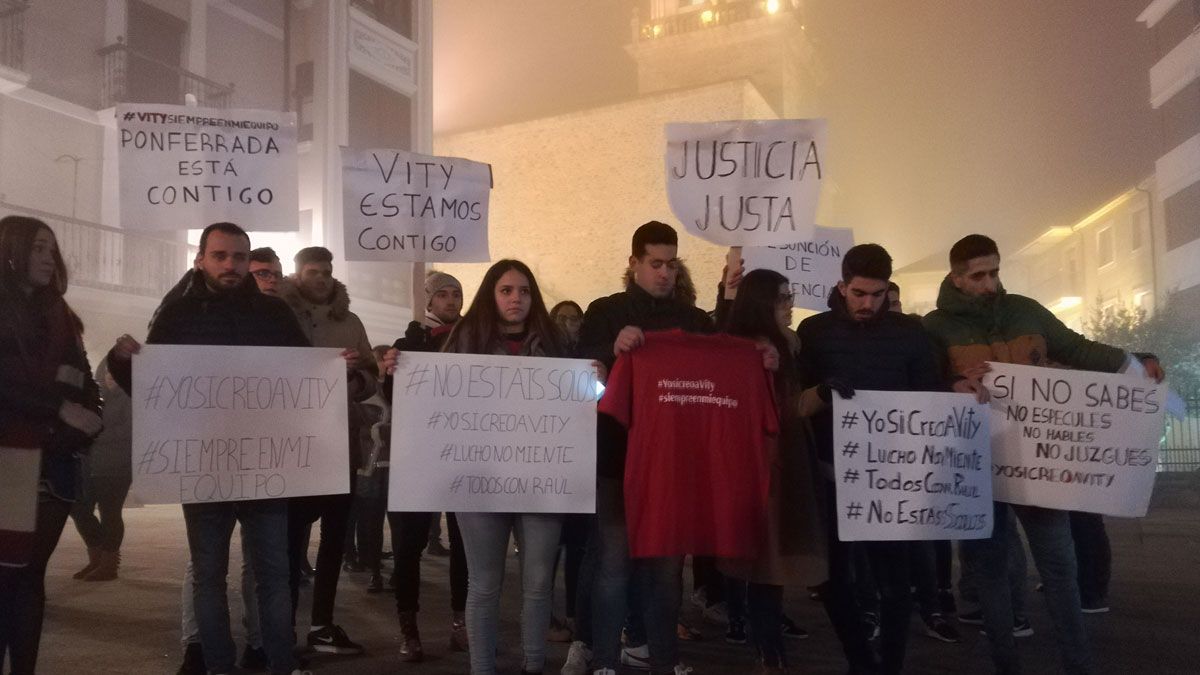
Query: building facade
(356, 73)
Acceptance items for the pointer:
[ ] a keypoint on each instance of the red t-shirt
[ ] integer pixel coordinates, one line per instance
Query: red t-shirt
(699, 409)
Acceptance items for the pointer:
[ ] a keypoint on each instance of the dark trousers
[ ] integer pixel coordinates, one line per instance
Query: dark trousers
(371, 513)
(889, 561)
(575, 531)
(23, 590)
(106, 494)
(410, 536)
(930, 567)
(334, 513)
(1093, 555)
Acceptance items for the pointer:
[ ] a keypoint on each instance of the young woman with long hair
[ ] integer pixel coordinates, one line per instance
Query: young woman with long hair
(49, 414)
(508, 317)
(762, 311)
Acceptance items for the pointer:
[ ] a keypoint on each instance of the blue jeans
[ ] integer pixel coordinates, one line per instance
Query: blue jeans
(1049, 534)
(657, 581)
(264, 524)
(190, 632)
(485, 540)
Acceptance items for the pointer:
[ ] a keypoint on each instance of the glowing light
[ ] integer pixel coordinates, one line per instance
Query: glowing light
(772, 6)
(1065, 303)
(657, 30)
(707, 16)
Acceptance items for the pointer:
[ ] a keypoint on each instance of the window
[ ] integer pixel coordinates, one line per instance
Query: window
(1137, 229)
(1104, 246)
(1181, 214)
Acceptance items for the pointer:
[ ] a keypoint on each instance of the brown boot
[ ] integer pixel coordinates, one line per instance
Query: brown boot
(458, 632)
(410, 638)
(93, 560)
(106, 570)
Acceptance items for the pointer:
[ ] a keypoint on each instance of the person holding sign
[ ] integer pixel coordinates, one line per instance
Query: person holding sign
(859, 344)
(508, 316)
(977, 321)
(49, 415)
(219, 304)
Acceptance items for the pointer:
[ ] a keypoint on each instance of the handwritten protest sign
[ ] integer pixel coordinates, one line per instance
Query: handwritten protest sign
(746, 183)
(493, 433)
(219, 424)
(400, 205)
(812, 267)
(185, 168)
(911, 466)
(1074, 440)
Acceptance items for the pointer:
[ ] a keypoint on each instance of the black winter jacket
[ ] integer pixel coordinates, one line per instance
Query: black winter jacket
(242, 317)
(888, 352)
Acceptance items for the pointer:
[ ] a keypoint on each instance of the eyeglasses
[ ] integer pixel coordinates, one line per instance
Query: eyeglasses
(267, 275)
(785, 299)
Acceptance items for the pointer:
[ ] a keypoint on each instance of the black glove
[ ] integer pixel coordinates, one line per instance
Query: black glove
(825, 389)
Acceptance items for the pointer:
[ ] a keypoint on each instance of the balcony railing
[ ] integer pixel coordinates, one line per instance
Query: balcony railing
(112, 259)
(12, 34)
(133, 77)
(715, 13)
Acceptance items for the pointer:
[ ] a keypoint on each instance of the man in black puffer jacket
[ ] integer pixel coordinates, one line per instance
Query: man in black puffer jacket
(859, 344)
(219, 304)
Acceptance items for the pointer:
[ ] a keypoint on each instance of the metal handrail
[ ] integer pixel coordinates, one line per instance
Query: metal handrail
(115, 87)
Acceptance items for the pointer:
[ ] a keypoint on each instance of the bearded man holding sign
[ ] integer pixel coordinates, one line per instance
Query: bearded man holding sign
(976, 322)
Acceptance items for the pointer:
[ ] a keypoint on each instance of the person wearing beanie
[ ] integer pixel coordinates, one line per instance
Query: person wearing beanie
(443, 299)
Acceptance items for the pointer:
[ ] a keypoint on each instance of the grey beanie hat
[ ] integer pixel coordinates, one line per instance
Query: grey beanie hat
(436, 281)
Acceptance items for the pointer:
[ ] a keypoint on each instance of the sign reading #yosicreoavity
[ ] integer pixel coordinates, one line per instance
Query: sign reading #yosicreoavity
(185, 168)
(812, 267)
(399, 205)
(746, 183)
(1075, 440)
(493, 433)
(911, 466)
(220, 424)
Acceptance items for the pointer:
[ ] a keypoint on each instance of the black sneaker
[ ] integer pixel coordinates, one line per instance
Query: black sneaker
(1021, 627)
(945, 600)
(937, 627)
(375, 585)
(254, 658)
(332, 640)
(973, 618)
(791, 630)
(736, 635)
(193, 661)
(1095, 606)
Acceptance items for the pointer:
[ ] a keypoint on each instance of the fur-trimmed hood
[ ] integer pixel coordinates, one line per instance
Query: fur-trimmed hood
(337, 309)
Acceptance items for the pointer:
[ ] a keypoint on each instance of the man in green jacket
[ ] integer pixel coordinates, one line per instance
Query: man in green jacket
(976, 322)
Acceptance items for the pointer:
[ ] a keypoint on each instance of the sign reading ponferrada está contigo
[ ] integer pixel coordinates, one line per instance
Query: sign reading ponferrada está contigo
(220, 424)
(185, 168)
(1075, 440)
(493, 433)
(746, 183)
(399, 205)
(911, 466)
(812, 267)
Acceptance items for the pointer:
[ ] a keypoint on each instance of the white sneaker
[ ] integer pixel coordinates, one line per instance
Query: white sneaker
(604, 671)
(301, 672)
(578, 657)
(636, 657)
(683, 670)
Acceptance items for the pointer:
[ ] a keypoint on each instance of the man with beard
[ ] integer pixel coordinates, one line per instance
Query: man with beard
(859, 344)
(322, 305)
(976, 321)
(219, 304)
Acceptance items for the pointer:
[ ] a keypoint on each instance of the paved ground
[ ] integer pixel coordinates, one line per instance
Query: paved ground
(130, 626)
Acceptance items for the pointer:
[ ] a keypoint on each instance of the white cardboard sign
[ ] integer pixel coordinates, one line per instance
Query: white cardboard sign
(186, 168)
(748, 182)
(219, 424)
(911, 466)
(812, 267)
(493, 433)
(1075, 440)
(399, 205)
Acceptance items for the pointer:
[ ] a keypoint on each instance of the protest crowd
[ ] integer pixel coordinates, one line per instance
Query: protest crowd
(716, 442)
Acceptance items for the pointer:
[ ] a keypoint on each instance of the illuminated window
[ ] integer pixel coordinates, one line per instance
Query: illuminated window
(1104, 246)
